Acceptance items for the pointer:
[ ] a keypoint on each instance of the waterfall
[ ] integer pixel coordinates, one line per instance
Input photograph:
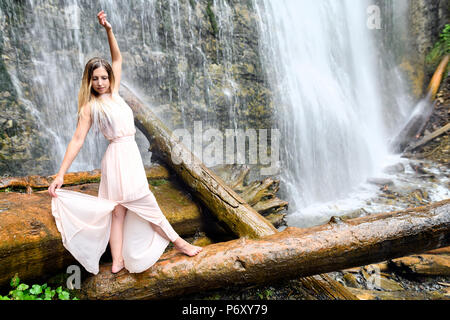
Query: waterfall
(317, 71)
(163, 47)
(321, 61)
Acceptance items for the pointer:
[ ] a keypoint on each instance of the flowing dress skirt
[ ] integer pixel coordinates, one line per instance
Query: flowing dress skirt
(84, 221)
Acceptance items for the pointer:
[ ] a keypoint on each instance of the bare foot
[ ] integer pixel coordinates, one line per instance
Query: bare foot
(116, 267)
(187, 248)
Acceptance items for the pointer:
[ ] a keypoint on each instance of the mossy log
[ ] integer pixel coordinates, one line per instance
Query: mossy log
(205, 185)
(289, 254)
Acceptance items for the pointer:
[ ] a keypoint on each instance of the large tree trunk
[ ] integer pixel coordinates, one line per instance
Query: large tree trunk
(288, 254)
(220, 199)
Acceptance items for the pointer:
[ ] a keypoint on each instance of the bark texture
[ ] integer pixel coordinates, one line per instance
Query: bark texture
(288, 254)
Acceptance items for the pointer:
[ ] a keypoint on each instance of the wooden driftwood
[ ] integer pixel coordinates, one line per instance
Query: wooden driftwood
(435, 81)
(292, 253)
(260, 194)
(429, 137)
(219, 198)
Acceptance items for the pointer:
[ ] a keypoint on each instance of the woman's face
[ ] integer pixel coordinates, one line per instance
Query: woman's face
(100, 80)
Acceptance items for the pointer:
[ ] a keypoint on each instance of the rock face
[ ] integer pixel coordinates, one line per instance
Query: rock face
(195, 60)
(409, 30)
(426, 20)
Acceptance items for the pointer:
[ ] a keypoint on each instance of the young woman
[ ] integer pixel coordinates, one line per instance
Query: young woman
(125, 212)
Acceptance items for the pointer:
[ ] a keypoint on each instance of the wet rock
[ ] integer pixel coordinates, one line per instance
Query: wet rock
(396, 168)
(386, 284)
(418, 168)
(419, 197)
(382, 182)
(354, 214)
(351, 281)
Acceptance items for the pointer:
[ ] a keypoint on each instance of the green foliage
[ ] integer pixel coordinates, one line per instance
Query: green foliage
(157, 182)
(212, 18)
(22, 291)
(441, 48)
(266, 294)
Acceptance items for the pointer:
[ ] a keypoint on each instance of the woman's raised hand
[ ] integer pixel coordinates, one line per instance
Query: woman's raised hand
(56, 184)
(102, 20)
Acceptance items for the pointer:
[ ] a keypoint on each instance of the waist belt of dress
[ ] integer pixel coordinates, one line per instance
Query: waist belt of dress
(128, 138)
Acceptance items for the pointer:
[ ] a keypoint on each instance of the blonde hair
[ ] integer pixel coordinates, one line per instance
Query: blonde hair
(87, 95)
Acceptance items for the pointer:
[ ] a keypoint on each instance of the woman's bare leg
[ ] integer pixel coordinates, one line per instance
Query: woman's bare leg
(179, 243)
(116, 237)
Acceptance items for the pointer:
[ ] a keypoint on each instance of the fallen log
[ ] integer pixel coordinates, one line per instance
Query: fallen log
(289, 254)
(324, 288)
(31, 245)
(363, 294)
(261, 195)
(424, 264)
(35, 182)
(214, 193)
(429, 137)
(435, 81)
(219, 198)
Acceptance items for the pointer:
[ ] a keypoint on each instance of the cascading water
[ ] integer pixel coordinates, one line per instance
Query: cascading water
(335, 103)
(322, 64)
(160, 41)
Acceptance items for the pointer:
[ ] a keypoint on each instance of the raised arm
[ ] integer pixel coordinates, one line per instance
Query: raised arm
(83, 126)
(116, 56)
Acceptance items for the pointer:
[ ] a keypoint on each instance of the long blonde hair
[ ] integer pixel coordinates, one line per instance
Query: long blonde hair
(99, 112)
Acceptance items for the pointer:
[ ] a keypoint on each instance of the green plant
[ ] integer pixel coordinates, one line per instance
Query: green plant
(212, 18)
(441, 47)
(22, 291)
(266, 294)
(157, 182)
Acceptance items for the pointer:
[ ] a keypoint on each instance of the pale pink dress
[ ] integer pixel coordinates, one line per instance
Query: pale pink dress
(84, 221)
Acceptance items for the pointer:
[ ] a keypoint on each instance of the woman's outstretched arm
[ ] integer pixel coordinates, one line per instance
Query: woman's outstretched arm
(116, 56)
(83, 126)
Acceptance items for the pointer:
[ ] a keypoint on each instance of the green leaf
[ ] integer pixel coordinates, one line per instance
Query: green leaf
(63, 295)
(59, 289)
(36, 289)
(22, 287)
(18, 295)
(15, 281)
